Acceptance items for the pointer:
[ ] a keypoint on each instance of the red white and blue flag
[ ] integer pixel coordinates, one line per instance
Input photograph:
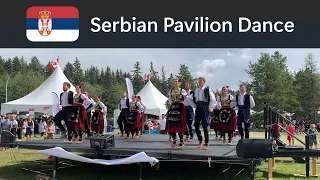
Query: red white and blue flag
(55, 104)
(129, 88)
(52, 24)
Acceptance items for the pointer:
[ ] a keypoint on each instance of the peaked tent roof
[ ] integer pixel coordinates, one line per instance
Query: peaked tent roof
(40, 97)
(153, 99)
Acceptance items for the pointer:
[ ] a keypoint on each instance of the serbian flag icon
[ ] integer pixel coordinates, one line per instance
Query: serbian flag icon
(52, 24)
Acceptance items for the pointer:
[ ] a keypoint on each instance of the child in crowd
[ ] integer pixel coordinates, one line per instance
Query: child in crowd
(291, 130)
(50, 130)
(312, 132)
(24, 127)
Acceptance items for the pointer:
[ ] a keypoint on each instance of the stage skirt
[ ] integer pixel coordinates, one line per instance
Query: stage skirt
(177, 118)
(214, 119)
(78, 118)
(97, 122)
(228, 120)
(133, 122)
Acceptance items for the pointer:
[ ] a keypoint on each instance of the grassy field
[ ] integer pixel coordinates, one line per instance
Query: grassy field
(12, 160)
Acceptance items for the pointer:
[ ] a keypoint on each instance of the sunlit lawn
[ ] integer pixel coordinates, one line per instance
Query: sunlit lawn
(12, 160)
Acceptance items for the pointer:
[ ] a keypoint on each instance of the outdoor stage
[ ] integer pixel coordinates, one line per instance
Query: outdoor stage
(157, 146)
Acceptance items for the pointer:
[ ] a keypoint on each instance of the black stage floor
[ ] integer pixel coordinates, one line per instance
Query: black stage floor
(157, 146)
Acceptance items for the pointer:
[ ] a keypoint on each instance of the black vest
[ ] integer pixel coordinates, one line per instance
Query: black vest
(70, 97)
(246, 103)
(127, 103)
(206, 95)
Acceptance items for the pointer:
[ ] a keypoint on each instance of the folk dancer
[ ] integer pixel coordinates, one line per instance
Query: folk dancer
(227, 115)
(214, 122)
(167, 104)
(79, 115)
(190, 114)
(142, 115)
(123, 106)
(90, 107)
(177, 117)
(66, 101)
(205, 102)
(97, 119)
(244, 103)
(132, 124)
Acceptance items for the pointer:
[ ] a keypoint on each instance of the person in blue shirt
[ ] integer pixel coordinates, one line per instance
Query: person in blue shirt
(312, 132)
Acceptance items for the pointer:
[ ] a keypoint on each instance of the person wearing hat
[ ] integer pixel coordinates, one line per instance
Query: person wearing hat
(177, 114)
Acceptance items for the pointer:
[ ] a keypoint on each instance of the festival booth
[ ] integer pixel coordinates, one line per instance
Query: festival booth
(40, 100)
(153, 99)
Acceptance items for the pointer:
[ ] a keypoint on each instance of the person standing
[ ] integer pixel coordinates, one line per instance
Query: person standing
(124, 104)
(162, 123)
(205, 101)
(244, 103)
(132, 124)
(13, 126)
(66, 101)
(42, 127)
(19, 130)
(97, 120)
(190, 113)
(90, 106)
(177, 116)
(142, 115)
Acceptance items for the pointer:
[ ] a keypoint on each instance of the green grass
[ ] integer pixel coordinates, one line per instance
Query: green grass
(12, 160)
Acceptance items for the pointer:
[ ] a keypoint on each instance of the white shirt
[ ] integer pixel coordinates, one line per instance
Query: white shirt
(42, 126)
(123, 103)
(103, 107)
(64, 99)
(199, 96)
(162, 123)
(186, 102)
(13, 124)
(241, 100)
(88, 103)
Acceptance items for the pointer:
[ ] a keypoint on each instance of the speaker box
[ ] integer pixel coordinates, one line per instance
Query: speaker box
(7, 137)
(255, 148)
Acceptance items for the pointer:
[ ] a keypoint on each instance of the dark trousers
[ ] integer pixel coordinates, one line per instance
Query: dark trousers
(14, 132)
(243, 117)
(202, 116)
(190, 118)
(63, 114)
(122, 119)
(19, 133)
(230, 135)
(174, 138)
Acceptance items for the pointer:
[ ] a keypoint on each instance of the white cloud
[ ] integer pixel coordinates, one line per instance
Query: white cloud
(245, 53)
(209, 67)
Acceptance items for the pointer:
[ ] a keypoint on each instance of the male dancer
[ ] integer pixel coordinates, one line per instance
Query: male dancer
(190, 114)
(205, 102)
(124, 105)
(244, 103)
(66, 101)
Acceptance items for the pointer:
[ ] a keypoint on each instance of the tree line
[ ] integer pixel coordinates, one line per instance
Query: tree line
(271, 81)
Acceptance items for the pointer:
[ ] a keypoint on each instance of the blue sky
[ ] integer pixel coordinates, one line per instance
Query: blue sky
(220, 66)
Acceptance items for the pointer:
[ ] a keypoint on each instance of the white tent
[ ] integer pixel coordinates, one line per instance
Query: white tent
(39, 100)
(153, 99)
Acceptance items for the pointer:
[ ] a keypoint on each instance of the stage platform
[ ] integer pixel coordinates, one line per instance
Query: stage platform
(157, 146)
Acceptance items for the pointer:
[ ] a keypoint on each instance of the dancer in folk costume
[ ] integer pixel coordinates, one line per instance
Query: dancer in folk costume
(124, 104)
(97, 120)
(132, 124)
(244, 103)
(205, 101)
(142, 115)
(79, 115)
(227, 114)
(66, 101)
(167, 104)
(177, 120)
(190, 113)
(89, 108)
(215, 120)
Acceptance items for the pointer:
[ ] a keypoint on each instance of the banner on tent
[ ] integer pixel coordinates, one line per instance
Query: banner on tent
(55, 104)
(129, 88)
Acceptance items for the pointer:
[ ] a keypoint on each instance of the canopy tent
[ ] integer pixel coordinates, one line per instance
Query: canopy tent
(39, 100)
(153, 99)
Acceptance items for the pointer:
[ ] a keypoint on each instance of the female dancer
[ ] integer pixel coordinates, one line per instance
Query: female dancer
(227, 115)
(214, 121)
(177, 120)
(167, 104)
(79, 115)
(133, 122)
(142, 117)
(97, 120)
